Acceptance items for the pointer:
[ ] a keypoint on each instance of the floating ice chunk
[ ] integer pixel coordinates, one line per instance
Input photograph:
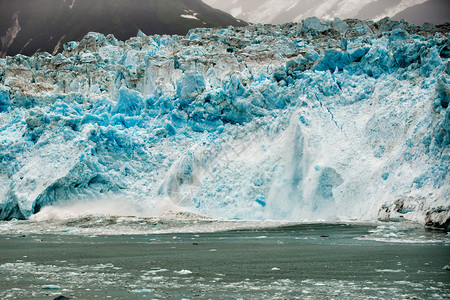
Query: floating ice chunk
(390, 271)
(155, 271)
(141, 291)
(51, 287)
(69, 230)
(157, 278)
(390, 235)
(402, 282)
(103, 266)
(183, 272)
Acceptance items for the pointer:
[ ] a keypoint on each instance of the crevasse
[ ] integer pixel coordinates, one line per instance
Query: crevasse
(320, 120)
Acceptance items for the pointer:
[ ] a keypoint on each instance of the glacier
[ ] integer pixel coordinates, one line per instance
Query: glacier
(317, 120)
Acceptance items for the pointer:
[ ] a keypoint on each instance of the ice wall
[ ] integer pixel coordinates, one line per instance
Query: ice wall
(316, 120)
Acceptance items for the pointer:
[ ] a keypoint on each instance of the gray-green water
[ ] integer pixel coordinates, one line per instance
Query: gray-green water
(308, 261)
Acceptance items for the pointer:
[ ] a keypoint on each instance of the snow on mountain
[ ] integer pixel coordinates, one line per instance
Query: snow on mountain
(279, 12)
(318, 120)
(433, 11)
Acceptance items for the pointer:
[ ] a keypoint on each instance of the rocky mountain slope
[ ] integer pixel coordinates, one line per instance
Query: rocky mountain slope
(28, 26)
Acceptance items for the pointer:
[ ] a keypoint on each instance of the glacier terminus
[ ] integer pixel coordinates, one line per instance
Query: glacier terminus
(318, 120)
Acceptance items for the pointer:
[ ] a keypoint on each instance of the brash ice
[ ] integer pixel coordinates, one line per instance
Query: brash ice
(317, 120)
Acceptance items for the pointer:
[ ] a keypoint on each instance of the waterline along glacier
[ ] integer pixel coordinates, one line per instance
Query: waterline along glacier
(318, 120)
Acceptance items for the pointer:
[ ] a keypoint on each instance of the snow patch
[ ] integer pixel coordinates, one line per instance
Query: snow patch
(191, 15)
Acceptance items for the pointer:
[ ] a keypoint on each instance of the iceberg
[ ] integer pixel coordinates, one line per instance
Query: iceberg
(318, 120)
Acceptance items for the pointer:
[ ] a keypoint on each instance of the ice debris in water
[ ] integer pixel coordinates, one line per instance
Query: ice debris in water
(51, 287)
(315, 120)
(390, 271)
(183, 272)
(155, 271)
(141, 291)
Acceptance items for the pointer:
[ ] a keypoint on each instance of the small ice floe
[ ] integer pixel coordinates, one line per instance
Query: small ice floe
(51, 287)
(275, 269)
(141, 291)
(390, 271)
(69, 230)
(390, 235)
(157, 278)
(402, 282)
(155, 271)
(102, 266)
(284, 282)
(183, 272)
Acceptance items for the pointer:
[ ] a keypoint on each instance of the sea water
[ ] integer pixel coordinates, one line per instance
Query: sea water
(108, 257)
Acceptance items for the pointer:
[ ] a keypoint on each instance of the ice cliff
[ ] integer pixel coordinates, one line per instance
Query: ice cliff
(317, 120)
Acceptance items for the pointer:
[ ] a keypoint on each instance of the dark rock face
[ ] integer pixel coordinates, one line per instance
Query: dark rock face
(29, 26)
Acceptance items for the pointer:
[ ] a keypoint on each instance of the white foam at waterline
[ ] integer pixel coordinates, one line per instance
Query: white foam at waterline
(70, 210)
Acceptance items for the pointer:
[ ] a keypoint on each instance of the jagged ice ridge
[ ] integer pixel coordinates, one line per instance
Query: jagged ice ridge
(316, 120)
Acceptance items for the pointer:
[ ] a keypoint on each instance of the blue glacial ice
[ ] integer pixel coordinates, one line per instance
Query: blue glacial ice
(320, 120)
